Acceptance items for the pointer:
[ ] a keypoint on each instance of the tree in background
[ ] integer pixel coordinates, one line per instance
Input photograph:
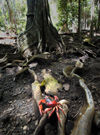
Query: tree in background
(63, 14)
(98, 14)
(79, 17)
(12, 15)
(68, 11)
(92, 18)
(78, 12)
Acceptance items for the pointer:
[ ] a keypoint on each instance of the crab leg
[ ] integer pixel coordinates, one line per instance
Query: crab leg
(58, 114)
(52, 112)
(47, 109)
(61, 109)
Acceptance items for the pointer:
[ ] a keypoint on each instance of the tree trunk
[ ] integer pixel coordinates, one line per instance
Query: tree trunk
(11, 15)
(10, 12)
(40, 33)
(79, 17)
(98, 15)
(92, 18)
(85, 4)
(14, 15)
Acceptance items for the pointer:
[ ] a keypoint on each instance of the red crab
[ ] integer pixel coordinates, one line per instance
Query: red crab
(50, 104)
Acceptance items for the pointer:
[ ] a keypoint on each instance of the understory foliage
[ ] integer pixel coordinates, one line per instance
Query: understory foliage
(13, 15)
(68, 14)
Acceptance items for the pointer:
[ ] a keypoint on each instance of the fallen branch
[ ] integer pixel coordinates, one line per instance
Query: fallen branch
(8, 38)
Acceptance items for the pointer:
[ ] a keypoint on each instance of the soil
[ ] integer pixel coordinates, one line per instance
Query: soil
(17, 116)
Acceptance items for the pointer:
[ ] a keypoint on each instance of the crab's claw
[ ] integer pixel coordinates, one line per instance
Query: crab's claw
(56, 98)
(41, 109)
(41, 106)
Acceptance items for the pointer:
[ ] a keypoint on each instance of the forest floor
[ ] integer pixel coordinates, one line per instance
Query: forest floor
(17, 115)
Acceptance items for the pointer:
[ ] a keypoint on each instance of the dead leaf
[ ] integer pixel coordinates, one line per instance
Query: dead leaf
(66, 86)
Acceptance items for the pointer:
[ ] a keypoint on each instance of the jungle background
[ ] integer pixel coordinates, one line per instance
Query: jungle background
(78, 24)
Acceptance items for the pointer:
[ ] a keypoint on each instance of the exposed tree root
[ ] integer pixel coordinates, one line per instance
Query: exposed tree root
(41, 124)
(21, 71)
(83, 123)
(4, 59)
(61, 125)
(8, 65)
(41, 56)
(37, 96)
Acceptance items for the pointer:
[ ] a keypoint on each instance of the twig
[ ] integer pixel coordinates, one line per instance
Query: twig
(21, 71)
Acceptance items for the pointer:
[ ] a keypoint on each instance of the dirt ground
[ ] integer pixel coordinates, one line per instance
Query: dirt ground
(17, 115)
